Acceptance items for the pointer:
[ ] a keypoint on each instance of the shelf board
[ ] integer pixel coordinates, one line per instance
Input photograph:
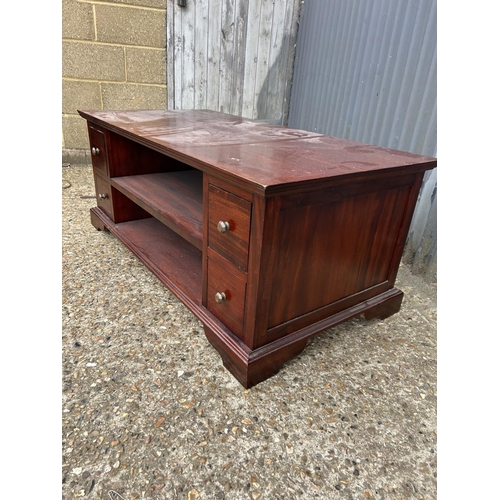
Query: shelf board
(174, 261)
(174, 198)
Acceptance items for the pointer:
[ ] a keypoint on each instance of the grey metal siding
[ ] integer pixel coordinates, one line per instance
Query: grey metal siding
(367, 71)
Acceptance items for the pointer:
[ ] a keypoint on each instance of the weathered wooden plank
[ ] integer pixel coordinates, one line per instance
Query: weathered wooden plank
(178, 56)
(240, 42)
(292, 24)
(170, 51)
(272, 106)
(251, 58)
(201, 54)
(227, 47)
(266, 20)
(188, 84)
(234, 56)
(214, 37)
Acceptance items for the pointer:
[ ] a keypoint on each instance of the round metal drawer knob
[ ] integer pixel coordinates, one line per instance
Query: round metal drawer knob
(220, 297)
(223, 227)
(103, 196)
(95, 151)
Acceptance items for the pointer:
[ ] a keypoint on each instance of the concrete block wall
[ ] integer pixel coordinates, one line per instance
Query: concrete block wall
(113, 57)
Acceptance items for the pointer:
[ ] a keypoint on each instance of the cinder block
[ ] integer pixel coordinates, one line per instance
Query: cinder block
(92, 61)
(128, 26)
(77, 20)
(146, 65)
(75, 134)
(80, 95)
(130, 96)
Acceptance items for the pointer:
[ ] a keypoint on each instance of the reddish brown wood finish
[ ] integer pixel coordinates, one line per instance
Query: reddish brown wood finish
(124, 209)
(343, 246)
(258, 157)
(385, 308)
(251, 368)
(174, 261)
(317, 225)
(127, 157)
(175, 198)
(226, 278)
(103, 195)
(98, 149)
(236, 212)
(96, 219)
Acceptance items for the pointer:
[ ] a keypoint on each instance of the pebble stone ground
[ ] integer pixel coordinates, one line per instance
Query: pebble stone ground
(148, 411)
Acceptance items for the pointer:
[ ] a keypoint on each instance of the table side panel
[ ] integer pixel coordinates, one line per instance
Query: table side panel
(334, 245)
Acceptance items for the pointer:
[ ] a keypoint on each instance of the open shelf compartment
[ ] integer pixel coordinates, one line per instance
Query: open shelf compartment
(174, 198)
(174, 261)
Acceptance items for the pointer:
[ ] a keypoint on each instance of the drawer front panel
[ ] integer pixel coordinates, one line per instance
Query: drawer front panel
(98, 150)
(226, 293)
(229, 225)
(103, 195)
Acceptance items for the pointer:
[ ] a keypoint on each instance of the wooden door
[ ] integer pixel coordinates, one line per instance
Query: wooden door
(234, 56)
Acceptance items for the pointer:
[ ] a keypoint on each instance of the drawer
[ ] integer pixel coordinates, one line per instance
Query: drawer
(103, 195)
(98, 151)
(226, 292)
(229, 225)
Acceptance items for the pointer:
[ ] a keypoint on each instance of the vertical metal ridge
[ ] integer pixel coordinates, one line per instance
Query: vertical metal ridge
(362, 97)
(356, 83)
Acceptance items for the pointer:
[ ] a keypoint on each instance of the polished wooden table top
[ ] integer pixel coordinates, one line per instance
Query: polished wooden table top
(261, 157)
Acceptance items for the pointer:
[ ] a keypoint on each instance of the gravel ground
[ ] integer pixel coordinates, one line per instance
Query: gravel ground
(148, 411)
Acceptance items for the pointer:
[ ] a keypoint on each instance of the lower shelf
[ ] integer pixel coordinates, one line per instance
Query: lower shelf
(174, 261)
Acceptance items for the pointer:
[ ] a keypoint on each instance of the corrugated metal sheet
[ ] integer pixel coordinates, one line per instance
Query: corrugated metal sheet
(366, 71)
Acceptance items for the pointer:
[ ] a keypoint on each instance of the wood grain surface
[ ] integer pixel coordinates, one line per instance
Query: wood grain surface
(260, 157)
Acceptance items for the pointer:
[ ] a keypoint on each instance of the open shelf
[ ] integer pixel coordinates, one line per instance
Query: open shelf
(174, 261)
(174, 198)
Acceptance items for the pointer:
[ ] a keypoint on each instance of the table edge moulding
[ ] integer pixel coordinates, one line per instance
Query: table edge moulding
(267, 234)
